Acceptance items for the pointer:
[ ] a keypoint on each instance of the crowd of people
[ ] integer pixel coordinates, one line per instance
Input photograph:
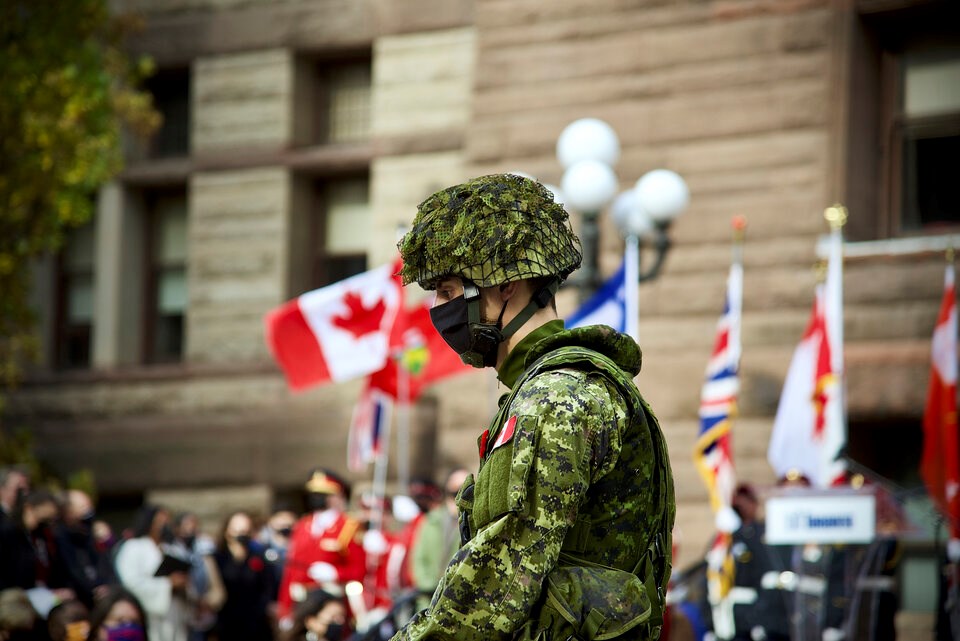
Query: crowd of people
(323, 574)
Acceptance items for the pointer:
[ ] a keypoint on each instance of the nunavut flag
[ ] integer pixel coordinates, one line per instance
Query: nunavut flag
(337, 332)
(940, 465)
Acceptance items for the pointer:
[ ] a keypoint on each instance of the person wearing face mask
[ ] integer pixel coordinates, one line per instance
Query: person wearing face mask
(275, 538)
(319, 617)
(247, 581)
(204, 577)
(166, 599)
(439, 538)
(118, 616)
(566, 528)
(69, 621)
(326, 548)
(29, 555)
(74, 538)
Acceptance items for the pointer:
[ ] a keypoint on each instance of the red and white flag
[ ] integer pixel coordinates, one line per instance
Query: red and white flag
(337, 332)
(940, 465)
(809, 431)
(418, 356)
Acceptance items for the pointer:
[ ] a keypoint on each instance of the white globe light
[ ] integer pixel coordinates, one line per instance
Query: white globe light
(558, 196)
(630, 217)
(589, 185)
(588, 139)
(663, 194)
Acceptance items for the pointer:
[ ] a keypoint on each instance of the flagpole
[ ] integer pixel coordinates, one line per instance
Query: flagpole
(836, 217)
(380, 470)
(631, 258)
(403, 426)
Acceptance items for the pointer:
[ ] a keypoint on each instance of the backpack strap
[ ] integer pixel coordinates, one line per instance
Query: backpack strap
(654, 565)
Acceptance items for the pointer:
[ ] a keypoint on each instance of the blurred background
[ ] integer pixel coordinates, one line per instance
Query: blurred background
(298, 136)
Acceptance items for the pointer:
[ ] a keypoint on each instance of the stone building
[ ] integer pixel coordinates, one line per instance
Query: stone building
(301, 134)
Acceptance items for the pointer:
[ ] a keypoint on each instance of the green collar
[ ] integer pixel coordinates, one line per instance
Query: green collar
(512, 366)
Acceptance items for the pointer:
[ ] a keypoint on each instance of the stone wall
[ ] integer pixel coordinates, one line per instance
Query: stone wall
(238, 265)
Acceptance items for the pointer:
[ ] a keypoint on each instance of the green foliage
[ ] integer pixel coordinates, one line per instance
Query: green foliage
(16, 448)
(65, 88)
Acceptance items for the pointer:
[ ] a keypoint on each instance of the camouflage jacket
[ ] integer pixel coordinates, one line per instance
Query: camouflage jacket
(567, 526)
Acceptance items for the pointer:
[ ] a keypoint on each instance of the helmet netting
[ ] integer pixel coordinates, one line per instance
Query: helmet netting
(490, 230)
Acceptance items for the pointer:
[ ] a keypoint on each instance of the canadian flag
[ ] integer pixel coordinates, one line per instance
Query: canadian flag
(940, 465)
(337, 332)
(809, 430)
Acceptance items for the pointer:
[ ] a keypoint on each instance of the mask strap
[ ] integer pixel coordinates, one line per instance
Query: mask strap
(539, 300)
(471, 294)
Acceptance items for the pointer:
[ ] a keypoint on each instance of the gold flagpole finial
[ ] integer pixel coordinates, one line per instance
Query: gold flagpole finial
(949, 254)
(836, 216)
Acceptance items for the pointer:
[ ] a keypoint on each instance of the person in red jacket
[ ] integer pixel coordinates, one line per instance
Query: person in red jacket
(325, 547)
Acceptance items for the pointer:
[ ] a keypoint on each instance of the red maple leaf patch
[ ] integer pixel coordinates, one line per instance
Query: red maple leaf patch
(360, 320)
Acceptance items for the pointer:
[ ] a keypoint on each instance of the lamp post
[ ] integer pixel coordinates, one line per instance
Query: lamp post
(588, 149)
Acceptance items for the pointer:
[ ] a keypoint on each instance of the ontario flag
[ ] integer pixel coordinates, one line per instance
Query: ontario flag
(337, 332)
(418, 357)
(940, 465)
(809, 430)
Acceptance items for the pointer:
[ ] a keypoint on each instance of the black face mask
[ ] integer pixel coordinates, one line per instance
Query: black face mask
(244, 540)
(317, 502)
(285, 532)
(334, 632)
(450, 320)
(166, 534)
(476, 342)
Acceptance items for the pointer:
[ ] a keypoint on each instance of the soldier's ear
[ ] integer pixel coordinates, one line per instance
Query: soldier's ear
(509, 290)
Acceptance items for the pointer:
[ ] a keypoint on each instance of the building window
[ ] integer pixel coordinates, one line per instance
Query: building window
(166, 288)
(171, 97)
(340, 103)
(341, 212)
(928, 132)
(75, 307)
(904, 122)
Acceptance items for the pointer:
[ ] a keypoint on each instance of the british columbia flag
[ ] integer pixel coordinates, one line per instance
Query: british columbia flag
(718, 398)
(718, 404)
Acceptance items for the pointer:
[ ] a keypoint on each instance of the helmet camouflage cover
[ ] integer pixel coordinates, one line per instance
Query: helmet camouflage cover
(489, 230)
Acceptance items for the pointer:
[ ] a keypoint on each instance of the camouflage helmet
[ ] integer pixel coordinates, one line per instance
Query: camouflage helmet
(489, 230)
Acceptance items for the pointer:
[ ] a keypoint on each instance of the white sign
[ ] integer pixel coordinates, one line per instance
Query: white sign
(821, 518)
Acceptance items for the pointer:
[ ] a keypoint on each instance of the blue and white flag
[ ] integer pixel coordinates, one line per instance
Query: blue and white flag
(607, 307)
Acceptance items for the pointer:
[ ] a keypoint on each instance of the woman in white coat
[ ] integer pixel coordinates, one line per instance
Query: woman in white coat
(164, 598)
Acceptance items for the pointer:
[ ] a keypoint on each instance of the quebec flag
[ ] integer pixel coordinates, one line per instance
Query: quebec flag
(607, 307)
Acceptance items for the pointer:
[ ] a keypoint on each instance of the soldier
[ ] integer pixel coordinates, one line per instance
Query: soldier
(325, 546)
(566, 528)
(758, 567)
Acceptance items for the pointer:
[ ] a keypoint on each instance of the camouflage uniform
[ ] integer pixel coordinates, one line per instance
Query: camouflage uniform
(567, 527)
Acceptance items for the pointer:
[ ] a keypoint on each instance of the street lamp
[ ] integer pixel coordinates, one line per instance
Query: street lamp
(588, 149)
